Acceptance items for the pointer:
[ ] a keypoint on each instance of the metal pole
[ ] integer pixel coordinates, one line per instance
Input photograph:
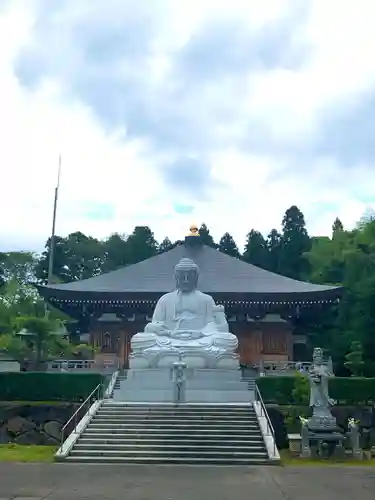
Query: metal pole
(52, 240)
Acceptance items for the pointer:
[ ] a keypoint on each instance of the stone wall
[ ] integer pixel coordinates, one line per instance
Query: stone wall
(33, 423)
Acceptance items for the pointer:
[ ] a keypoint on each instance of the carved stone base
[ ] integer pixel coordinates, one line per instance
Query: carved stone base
(318, 423)
(321, 444)
(193, 359)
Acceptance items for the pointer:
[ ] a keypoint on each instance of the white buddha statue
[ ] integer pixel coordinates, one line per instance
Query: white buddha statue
(185, 320)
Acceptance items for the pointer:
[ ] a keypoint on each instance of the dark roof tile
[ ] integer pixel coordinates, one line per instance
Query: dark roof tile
(219, 273)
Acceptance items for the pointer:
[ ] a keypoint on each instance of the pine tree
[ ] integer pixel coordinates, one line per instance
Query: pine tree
(228, 245)
(141, 244)
(354, 359)
(274, 250)
(256, 251)
(206, 237)
(295, 243)
(165, 245)
(337, 227)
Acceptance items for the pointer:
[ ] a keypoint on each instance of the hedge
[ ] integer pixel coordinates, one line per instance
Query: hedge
(345, 390)
(38, 386)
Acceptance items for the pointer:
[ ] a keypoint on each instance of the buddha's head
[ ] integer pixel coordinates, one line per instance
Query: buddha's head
(186, 275)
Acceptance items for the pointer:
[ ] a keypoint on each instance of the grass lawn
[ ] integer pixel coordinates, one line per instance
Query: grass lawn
(288, 459)
(38, 403)
(23, 453)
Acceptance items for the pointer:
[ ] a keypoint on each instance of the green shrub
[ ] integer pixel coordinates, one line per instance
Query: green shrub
(38, 386)
(300, 392)
(293, 390)
(352, 390)
(277, 390)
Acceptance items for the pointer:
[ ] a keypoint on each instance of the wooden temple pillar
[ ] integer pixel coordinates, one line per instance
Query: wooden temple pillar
(129, 329)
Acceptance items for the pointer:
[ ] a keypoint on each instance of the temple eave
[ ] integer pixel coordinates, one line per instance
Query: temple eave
(251, 300)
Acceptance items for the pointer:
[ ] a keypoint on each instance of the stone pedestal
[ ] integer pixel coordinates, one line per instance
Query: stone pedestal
(193, 359)
(321, 438)
(200, 386)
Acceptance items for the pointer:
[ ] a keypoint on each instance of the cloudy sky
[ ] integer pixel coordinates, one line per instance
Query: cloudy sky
(168, 112)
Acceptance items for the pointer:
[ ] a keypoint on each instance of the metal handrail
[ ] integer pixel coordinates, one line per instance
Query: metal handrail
(75, 414)
(108, 392)
(264, 413)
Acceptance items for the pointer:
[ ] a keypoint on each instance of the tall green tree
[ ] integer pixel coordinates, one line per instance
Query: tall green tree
(256, 251)
(354, 359)
(348, 259)
(166, 245)
(337, 227)
(295, 243)
(76, 257)
(326, 260)
(2, 270)
(228, 245)
(19, 266)
(116, 252)
(206, 237)
(141, 244)
(274, 246)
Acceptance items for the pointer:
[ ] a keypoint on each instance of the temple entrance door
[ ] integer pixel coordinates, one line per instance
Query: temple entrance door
(110, 343)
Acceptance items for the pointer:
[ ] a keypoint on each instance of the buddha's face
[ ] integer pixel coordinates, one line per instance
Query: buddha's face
(186, 280)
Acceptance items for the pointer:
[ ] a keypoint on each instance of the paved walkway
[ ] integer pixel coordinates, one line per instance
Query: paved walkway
(96, 482)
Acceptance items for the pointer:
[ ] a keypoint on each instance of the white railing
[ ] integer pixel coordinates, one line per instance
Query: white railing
(108, 392)
(266, 426)
(82, 365)
(283, 367)
(79, 421)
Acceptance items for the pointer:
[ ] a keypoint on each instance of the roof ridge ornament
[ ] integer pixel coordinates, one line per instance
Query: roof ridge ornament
(193, 239)
(194, 231)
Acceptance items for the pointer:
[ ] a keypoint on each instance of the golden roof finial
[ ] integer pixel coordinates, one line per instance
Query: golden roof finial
(193, 230)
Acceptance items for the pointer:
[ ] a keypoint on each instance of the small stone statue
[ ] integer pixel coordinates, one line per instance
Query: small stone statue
(179, 379)
(305, 439)
(187, 320)
(320, 436)
(354, 439)
(320, 402)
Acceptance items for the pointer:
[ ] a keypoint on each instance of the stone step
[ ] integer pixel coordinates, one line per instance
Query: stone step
(171, 430)
(185, 413)
(175, 412)
(200, 434)
(191, 418)
(194, 406)
(175, 421)
(223, 461)
(202, 439)
(185, 406)
(181, 425)
(169, 447)
(136, 452)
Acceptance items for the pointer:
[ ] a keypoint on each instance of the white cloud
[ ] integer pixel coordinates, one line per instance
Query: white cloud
(105, 167)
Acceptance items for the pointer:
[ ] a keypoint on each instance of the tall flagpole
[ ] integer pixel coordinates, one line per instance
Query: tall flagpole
(52, 239)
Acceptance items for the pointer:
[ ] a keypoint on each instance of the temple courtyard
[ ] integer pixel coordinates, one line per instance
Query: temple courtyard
(106, 482)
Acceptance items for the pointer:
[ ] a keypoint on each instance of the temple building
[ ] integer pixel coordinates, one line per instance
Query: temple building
(261, 306)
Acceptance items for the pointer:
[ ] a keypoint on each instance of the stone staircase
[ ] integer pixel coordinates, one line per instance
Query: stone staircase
(169, 434)
(120, 378)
